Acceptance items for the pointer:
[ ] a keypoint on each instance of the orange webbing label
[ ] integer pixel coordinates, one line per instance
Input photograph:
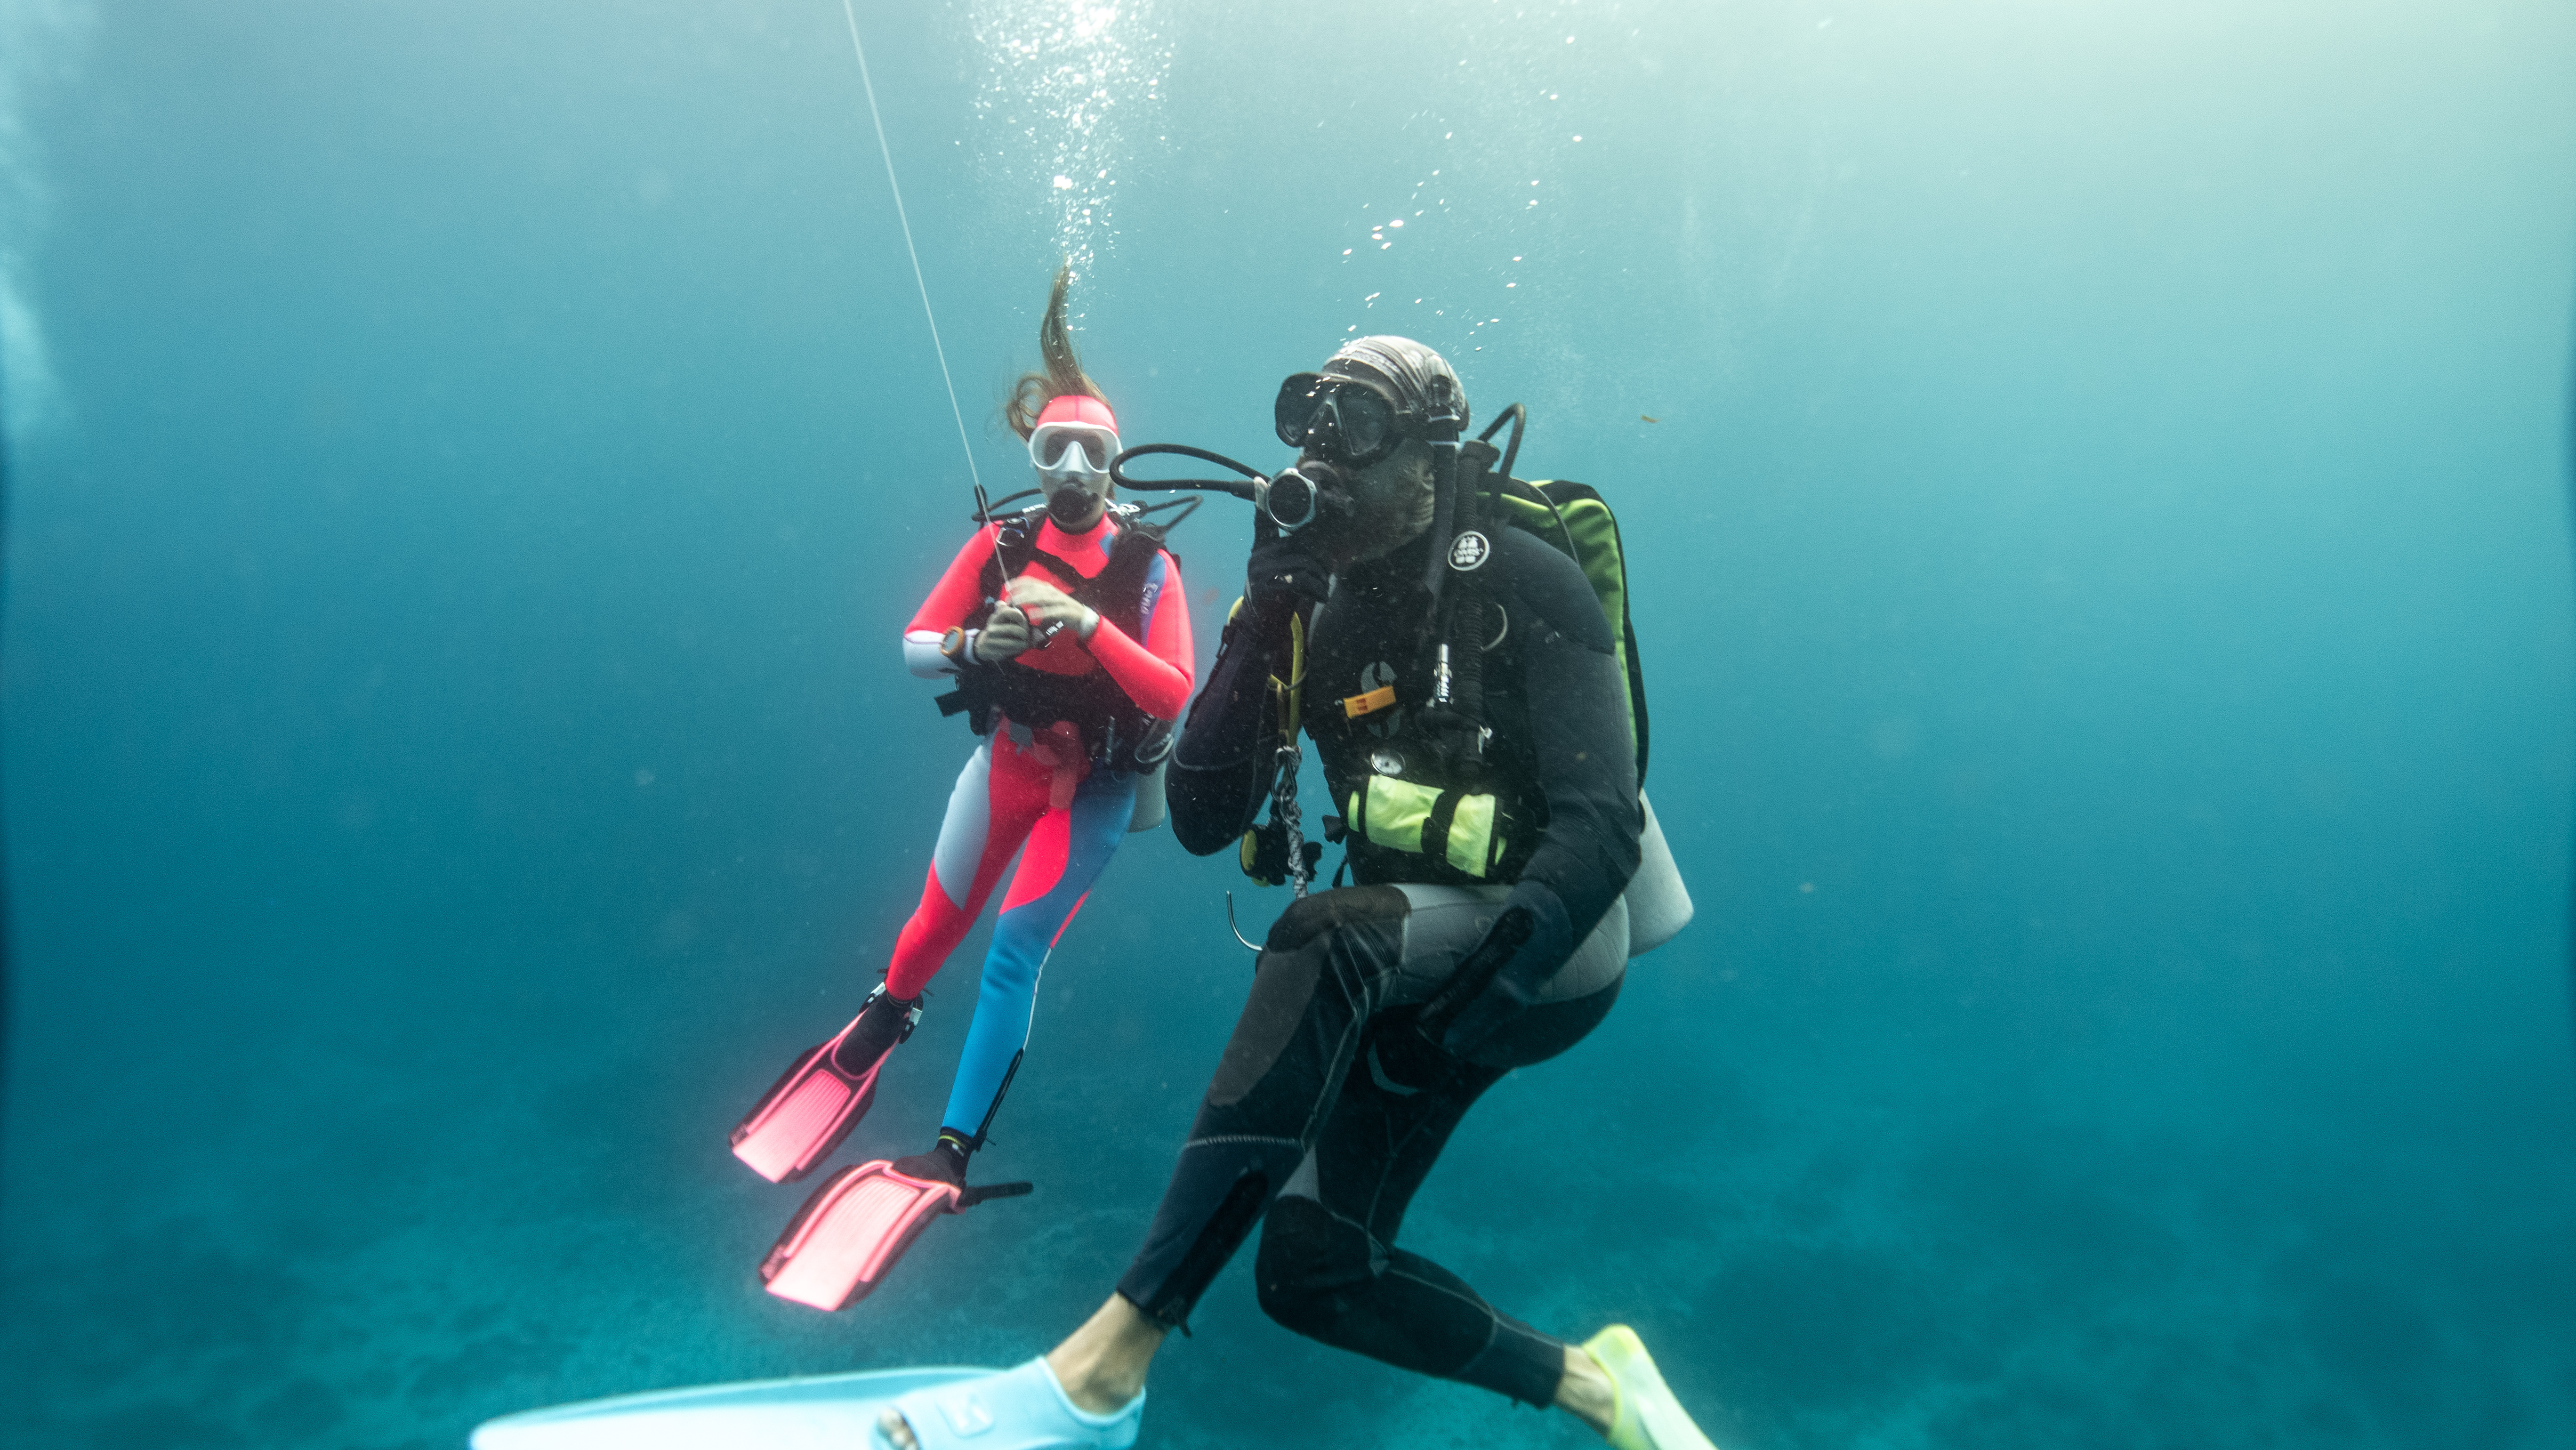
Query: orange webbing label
(1354, 706)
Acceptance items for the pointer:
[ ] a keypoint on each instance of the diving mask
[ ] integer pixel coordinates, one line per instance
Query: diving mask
(1071, 451)
(1073, 468)
(1338, 418)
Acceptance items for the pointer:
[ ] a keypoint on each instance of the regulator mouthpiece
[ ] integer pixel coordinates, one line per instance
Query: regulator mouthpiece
(1070, 506)
(1290, 499)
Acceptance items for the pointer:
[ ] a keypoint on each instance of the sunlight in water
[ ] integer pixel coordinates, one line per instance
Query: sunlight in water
(1067, 83)
(41, 46)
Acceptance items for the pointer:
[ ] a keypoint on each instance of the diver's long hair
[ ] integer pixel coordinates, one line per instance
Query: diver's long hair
(1063, 373)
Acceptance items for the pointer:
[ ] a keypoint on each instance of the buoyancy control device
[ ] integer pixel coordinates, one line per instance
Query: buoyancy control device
(1116, 731)
(1445, 814)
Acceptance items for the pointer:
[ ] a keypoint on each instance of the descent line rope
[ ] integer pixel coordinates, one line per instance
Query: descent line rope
(897, 188)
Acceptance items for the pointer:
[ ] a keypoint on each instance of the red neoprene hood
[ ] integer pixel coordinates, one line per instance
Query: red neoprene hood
(1078, 408)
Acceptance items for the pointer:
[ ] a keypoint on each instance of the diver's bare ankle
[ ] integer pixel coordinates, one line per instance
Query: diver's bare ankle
(1587, 1392)
(1101, 1366)
(1096, 1386)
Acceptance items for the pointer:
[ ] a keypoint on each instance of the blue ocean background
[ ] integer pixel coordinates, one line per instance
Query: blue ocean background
(2096, 482)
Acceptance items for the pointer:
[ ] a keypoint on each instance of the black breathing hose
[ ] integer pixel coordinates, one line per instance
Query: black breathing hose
(1242, 488)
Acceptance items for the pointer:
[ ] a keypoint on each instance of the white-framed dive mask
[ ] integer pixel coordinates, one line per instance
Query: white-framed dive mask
(1072, 455)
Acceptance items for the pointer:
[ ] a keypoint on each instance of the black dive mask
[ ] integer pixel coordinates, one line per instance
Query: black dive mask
(1337, 418)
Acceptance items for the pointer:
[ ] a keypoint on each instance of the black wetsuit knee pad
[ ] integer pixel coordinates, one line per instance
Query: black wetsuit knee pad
(1547, 1029)
(1312, 916)
(1306, 1256)
(1319, 1275)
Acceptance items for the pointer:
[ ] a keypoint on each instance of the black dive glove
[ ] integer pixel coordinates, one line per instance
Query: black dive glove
(1265, 852)
(1284, 574)
(1415, 1049)
(1498, 981)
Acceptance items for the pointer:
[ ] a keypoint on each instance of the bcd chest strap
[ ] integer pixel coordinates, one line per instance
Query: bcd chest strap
(1117, 592)
(1114, 728)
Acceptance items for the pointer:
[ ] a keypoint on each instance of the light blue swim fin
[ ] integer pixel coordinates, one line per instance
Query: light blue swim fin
(1018, 1409)
(817, 1412)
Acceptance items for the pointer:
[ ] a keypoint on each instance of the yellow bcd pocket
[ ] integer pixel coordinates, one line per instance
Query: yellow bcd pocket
(1402, 816)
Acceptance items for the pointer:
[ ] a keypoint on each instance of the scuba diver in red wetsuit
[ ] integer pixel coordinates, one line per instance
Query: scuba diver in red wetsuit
(1067, 630)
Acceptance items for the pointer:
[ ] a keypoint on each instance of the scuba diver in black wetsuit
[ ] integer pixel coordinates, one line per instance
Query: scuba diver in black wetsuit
(1493, 821)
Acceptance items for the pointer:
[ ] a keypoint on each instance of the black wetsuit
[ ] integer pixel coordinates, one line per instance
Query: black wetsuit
(1329, 1107)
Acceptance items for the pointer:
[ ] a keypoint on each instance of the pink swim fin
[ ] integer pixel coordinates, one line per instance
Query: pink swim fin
(806, 1114)
(847, 1237)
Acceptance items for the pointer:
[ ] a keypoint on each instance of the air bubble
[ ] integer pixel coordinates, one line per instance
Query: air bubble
(1060, 79)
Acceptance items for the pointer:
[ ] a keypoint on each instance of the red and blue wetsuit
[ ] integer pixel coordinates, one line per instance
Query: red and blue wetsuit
(1041, 787)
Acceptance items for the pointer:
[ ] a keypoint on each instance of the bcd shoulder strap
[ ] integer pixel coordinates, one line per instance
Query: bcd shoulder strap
(1116, 592)
(1015, 542)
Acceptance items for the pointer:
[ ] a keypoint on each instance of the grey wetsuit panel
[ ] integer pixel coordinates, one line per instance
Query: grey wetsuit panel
(1448, 921)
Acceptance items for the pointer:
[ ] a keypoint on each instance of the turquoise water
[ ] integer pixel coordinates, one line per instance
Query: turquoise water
(2102, 566)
